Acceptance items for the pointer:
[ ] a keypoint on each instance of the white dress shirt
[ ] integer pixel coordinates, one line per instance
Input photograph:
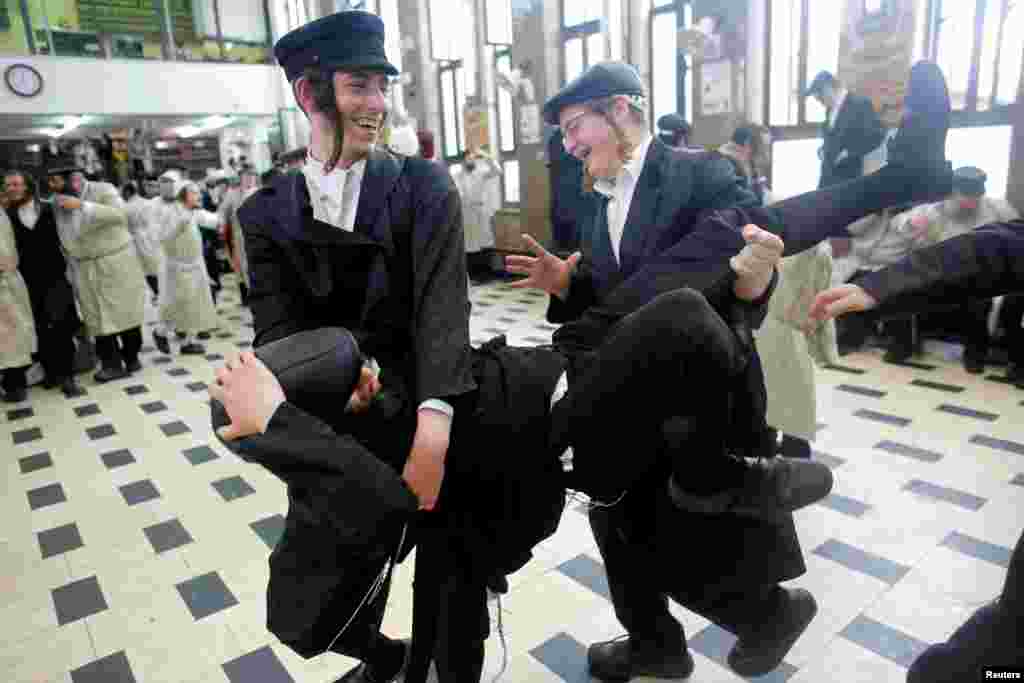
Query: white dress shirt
(334, 195)
(335, 200)
(29, 214)
(620, 191)
(833, 113)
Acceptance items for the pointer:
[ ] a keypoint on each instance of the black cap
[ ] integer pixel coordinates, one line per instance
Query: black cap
(350, 40)
(673, 123)
(818, 84)
(969, 180)
(601, 80)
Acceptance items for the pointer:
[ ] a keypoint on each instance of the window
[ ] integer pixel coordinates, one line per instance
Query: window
(801, 27)
(988, 148)
(510, 177)
(452, 44)
(583, 39)
(978, 45)
(506, 122)
(451, 111)
(498, 14)
(668, 84)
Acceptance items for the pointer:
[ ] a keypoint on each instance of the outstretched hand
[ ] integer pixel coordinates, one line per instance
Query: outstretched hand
(249, 393)
(841, 300)
(755, 264)
(544, 270)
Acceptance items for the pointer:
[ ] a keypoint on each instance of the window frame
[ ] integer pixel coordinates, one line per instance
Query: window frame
(683, 68)
(455, 68)
(582, 31)
(503, 155)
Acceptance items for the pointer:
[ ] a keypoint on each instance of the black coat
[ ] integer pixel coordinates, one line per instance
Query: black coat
(44, 269)
(675, 237)
(858, 131)
(985, 262)
(399, 283)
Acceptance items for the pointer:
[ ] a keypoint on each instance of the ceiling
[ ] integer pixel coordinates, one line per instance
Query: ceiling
(30, 126)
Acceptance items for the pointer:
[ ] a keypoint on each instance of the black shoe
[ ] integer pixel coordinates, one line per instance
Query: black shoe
(110, 374)
(898, 354)
(920, 143)
(203, 335)
(161, 342)
(619, 660)
(773, 488)
(757, 655)
(71, 388)
(974, 363)
(193, 349)
(364, 674)
(180, 335)
(1015, 375)
(133, 365)
(15, 395)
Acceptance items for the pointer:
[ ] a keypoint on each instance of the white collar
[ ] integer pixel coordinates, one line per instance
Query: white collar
(632, 168)
(331, 183)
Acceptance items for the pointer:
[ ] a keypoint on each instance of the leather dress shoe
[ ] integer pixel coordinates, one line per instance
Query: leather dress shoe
(203, 335)
(364, 674)
(15, 396)
(110, 374)
(71, 388)
(898, 354)
(133, 365)
(161, 342)
(772, 489)
(974, 363)
(620, 660)
(756, 655)
(1015, 375)
(193, 349)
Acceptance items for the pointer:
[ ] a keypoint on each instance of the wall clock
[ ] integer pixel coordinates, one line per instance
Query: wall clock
(23, 80)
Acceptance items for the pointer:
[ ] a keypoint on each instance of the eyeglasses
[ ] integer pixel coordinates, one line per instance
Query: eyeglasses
(571, 125)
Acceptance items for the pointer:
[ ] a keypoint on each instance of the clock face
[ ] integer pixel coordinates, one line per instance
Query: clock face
(23, 80)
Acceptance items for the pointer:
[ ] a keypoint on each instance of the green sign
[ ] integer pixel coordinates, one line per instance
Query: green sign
(134, 16)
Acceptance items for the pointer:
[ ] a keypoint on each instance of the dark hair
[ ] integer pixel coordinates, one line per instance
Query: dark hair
(743, 135)
(267, 177)
(321, 84)
(128, 191)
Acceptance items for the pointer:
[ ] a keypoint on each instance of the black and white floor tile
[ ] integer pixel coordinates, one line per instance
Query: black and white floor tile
(134, 547)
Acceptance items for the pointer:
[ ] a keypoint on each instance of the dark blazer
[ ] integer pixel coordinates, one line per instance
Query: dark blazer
(674, 188)
(53, 299)
(858, 131)
(983, 263)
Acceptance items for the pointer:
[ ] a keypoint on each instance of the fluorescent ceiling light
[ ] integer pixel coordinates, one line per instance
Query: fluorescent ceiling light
(69, 123)
(32, 148)
(206, 125)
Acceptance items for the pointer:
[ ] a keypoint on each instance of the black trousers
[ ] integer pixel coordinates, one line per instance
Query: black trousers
(641, 581)
(14, 379)
(113, 357)
(57, 351)
(678, 346)
(1011, 315)
(153, 283)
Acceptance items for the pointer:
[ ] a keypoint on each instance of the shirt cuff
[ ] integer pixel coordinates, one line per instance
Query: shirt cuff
(439, 406)
(270, 418)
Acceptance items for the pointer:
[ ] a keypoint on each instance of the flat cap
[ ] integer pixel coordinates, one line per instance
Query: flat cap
(673, 123)
(969, 180)
(818, 84)
(601, 80)
(351, 40)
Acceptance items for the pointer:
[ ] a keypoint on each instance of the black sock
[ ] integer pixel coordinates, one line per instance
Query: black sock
(387, 658)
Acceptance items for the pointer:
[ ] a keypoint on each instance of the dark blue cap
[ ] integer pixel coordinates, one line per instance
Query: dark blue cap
(601, 80)
(969, 180)
(818, 84)
(673, 123)
(352, 40)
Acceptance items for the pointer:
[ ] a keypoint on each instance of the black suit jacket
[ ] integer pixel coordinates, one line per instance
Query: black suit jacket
(674, 188)
(858, 131)
(983, 263)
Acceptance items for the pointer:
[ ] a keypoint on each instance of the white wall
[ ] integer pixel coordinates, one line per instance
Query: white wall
(88, 86)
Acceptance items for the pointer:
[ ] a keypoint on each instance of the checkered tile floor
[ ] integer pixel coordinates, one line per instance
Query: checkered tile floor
(133, 546)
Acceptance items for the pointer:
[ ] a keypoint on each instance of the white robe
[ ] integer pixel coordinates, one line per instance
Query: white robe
(17, 326)
(186, 302)
(480, 191)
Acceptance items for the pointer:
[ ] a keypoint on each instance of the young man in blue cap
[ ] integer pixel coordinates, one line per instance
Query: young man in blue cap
(646, 240)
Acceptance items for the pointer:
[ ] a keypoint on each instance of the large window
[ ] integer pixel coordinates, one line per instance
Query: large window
(978, 45)
(453, 47)
(804, 40)
(584, 42)
(669, 71)
(506, 130)
(189, 30)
